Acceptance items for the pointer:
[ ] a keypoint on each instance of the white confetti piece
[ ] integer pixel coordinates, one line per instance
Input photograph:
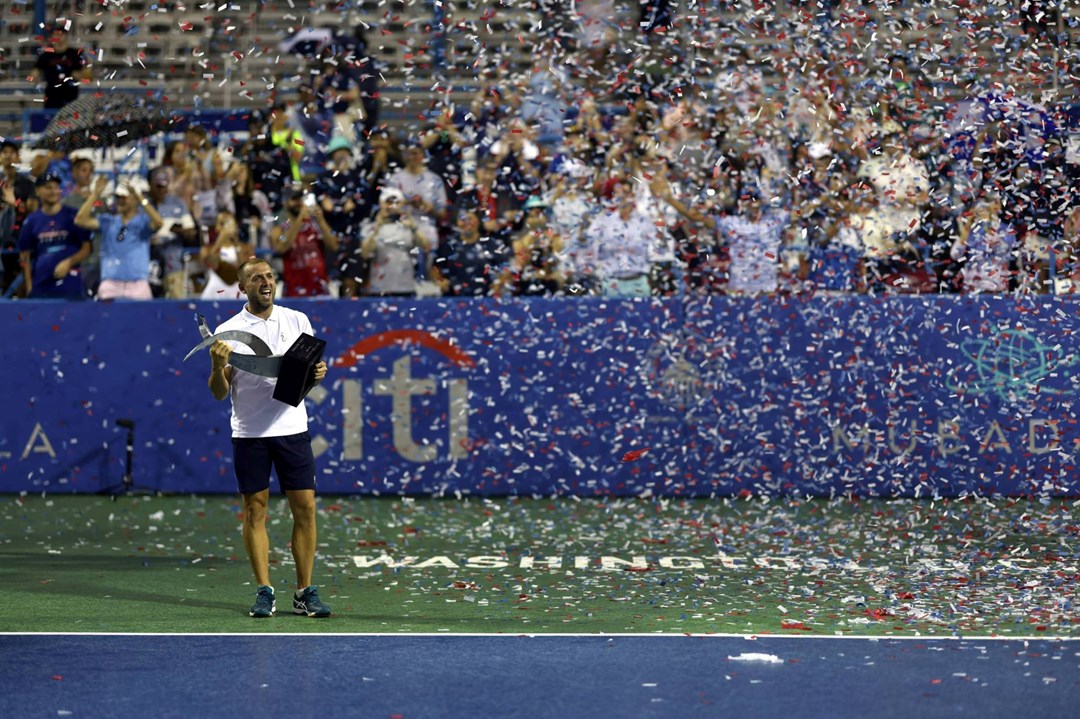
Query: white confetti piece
(757, 657)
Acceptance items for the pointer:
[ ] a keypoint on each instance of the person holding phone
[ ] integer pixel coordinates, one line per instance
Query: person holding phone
(302, 240)
(393, 242)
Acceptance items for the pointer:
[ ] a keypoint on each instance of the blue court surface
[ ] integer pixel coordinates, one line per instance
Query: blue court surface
(565, 676)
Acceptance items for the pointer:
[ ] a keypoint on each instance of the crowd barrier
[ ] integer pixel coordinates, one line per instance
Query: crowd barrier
(911, 396)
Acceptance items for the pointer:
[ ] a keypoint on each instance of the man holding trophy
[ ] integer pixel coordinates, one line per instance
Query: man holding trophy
(270, 424)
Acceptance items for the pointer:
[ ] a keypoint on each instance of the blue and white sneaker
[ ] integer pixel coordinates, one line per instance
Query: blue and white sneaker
(309, 603)
(265, 603)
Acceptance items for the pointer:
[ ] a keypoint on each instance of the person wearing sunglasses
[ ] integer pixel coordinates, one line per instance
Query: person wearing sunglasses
(125, 240)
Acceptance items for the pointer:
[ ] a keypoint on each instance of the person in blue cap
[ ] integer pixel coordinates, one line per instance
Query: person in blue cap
(52, 246)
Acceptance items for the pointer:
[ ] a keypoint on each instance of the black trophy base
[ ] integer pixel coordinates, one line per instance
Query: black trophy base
(297, 375)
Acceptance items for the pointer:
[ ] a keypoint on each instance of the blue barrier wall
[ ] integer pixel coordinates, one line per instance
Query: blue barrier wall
(897, 396)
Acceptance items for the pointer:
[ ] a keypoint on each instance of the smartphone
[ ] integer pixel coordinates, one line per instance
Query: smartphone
(309, 200)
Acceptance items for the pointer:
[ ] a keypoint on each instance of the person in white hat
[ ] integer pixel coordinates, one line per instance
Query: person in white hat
(392, 242)
(125, 240)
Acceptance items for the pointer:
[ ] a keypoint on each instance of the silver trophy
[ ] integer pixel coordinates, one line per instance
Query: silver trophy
(294, 370)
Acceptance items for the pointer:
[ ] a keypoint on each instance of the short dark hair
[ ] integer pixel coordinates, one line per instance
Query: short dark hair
(80, 160)
(255, 260)
(12, 144)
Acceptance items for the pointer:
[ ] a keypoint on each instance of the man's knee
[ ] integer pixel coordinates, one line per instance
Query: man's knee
(302, 504)
(255, 509)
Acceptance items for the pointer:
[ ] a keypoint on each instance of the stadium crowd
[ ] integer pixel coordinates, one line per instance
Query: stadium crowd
(810, 172)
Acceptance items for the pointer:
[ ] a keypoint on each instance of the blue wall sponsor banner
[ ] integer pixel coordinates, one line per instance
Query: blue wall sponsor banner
(909, 396)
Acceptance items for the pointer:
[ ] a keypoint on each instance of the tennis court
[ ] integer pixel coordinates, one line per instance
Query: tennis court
(547, 607)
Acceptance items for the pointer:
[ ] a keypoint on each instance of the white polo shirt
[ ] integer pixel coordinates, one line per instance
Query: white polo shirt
(255, 412)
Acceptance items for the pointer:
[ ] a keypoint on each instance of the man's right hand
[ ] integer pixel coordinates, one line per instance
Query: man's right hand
(219, 355)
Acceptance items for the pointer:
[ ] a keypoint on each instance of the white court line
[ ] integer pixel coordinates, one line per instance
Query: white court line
(541, 635)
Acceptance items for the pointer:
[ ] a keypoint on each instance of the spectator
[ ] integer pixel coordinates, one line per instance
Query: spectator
(443, 143)
(392, 242)
(496, 209)
(203, 153)
(82, 178)
(188, 180)
(61, 67)
(902, 185)
(366, 73)
(51, 246)
(901, 181)
(58, 164)
(40, 160)
(338, 91)
(317, 132)
(217, 194)
(752, 237)
(470, 261)
(534, 268)
(621, 240)
(125, 241)
(252, 204)
(178, 231)
(573, 207)
(8, 238)
(339, 191)
(17, 200)
(1068, 269)
(1029, 211)
(517, 158)
(937, 233)
(12, 175)
(986, 248)
(288, 138)
(835, 261)
(223, 257)
(424, 192)
(303, 239)
(544, 103)
(381, 159)
(269, 166)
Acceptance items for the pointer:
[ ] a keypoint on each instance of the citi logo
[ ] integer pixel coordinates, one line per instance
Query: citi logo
(401, 388)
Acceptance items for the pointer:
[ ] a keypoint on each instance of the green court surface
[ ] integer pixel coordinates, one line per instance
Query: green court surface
(960, 567)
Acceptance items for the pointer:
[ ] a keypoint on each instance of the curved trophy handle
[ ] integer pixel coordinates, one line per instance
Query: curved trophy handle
(260, 348)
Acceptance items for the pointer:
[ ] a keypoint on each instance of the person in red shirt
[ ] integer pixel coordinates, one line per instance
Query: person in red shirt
(303, 239)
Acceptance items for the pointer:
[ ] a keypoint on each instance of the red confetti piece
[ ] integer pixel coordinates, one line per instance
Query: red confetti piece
(795, 625)
(635, 455)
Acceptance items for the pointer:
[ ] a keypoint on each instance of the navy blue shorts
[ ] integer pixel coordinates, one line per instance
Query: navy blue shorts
(290, 457)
